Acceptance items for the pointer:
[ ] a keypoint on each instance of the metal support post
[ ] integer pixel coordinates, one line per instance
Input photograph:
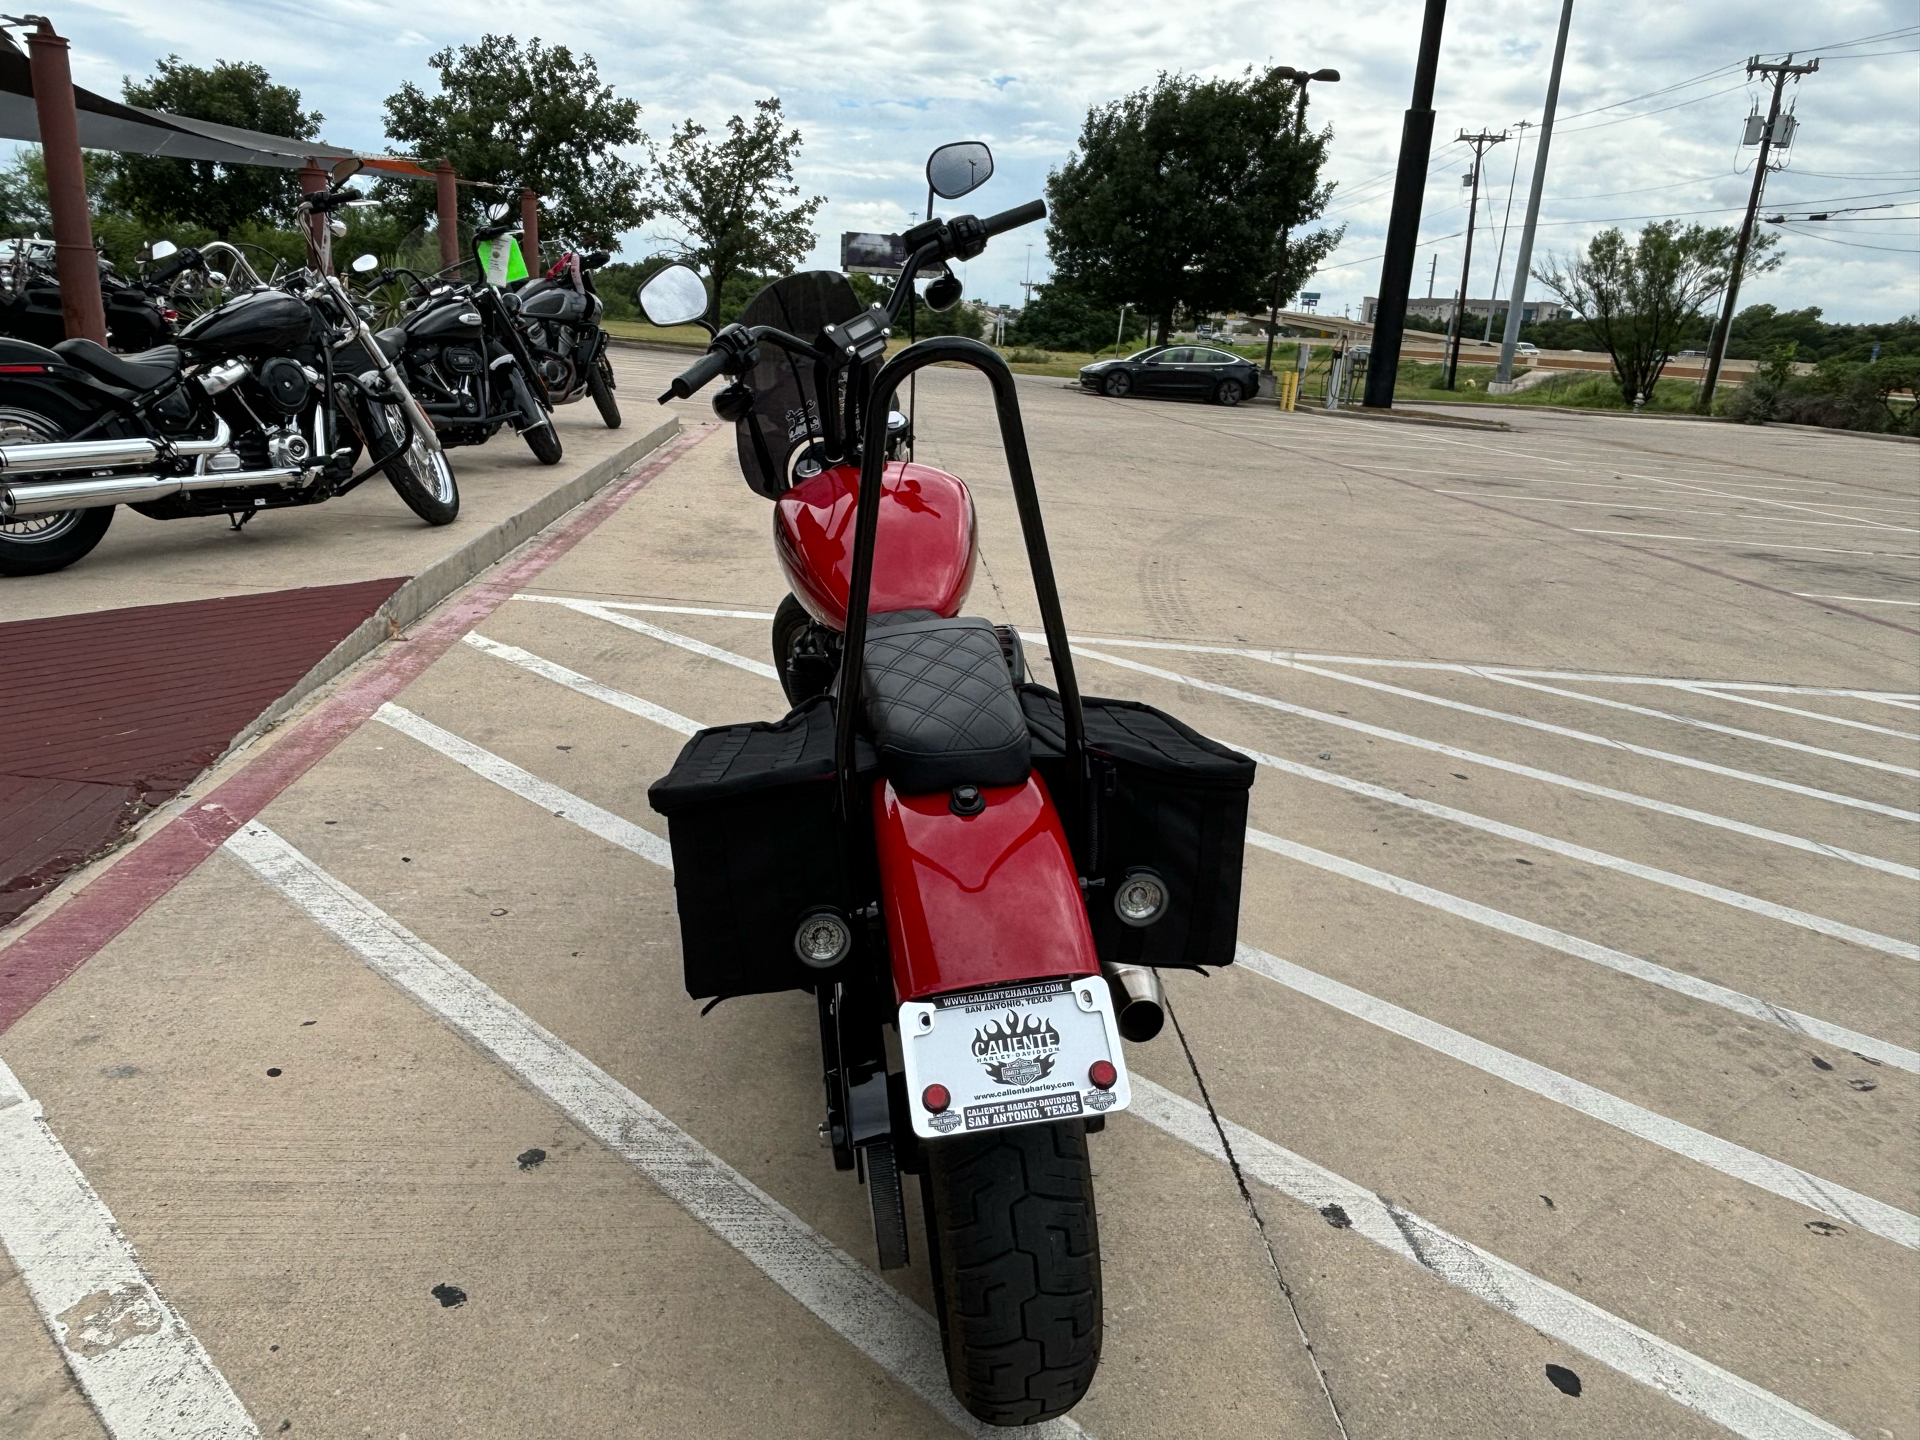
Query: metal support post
(75, 261)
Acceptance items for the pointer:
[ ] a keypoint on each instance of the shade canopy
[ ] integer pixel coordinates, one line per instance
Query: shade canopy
(135, 130)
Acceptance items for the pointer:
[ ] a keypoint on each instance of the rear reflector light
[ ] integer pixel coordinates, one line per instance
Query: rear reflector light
(936, 1098)
(23, 369)
(1103, 1075)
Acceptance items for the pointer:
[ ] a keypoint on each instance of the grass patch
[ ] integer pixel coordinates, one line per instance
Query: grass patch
(1575, 389)
(657, 335)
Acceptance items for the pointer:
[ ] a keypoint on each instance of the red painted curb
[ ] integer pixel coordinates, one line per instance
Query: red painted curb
(33, 965)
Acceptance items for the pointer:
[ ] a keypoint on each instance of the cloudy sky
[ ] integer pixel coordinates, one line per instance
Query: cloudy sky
(1652, 107)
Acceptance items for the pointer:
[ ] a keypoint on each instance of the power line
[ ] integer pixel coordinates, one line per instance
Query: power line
(1648, 114)
(1850, 244)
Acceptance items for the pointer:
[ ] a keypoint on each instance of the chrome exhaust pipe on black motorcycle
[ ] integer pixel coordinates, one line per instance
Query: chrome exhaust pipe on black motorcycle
(1138, 999)
(41, 455)
(54, 496)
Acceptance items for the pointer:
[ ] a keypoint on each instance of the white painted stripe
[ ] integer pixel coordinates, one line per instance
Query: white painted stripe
(1265, 654)
(1762, 1171)
(1701, 1386)
(1567, 782)
(575, 681)
(139, 1365)
(856, 1303)
(1786, 914)
(1742, 1004)
(1718, 692)
(1757, 499)
(1750, 544)
(685, 642)
(1693, 723)
(1586, 737)
(528, 786)
(1854, 599)
(1636, 1353)
(1456, 667)
(665, 609)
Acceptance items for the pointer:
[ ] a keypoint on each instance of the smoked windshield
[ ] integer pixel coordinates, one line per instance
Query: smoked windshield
(785, 414)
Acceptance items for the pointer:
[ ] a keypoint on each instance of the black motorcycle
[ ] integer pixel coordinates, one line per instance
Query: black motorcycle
(268, 401)
(558, 315)
(136, 314)
(467, 362)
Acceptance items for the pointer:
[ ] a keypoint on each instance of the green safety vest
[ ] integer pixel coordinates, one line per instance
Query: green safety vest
(503, 266)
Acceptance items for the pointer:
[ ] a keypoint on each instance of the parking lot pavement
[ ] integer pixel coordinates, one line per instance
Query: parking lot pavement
(1564, 1086)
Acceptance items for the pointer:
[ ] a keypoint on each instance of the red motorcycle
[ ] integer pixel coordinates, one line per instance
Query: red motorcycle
(974, 874)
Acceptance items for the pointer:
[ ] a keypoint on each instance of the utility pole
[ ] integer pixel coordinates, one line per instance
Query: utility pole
(1300, 78)
(1403, 228)
(1481, 143)
(1717, 350)
(1500, 255)
(1433, 267)
(1503, 376)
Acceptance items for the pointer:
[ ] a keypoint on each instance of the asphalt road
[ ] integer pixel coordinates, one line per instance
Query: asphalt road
(1565, 1086)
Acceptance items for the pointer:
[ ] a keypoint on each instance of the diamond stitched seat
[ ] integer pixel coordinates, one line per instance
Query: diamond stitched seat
(941, 705)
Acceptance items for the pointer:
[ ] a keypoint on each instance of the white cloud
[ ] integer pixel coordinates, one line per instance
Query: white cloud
(875, 87)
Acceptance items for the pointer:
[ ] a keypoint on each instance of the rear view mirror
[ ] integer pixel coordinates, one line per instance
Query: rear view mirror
(345, 170)
(363, 263)
(957, 169)
(674, 296)
(337, 227)
(497, 211)
(161, 249)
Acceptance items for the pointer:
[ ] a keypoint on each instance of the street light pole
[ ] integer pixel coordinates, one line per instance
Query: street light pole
(1403, 228)
(1300, 79)
(1503, 373)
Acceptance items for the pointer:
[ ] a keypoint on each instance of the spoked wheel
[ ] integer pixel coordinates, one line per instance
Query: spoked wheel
(1014, 1248)
(41, 544)
(805, 665)
(420, 473)
(600, 386)
(1119, 385)
(1227, 393)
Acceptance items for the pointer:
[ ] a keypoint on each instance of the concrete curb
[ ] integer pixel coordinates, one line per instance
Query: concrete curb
(1408, 417)
(444, 576)
(1691, 419)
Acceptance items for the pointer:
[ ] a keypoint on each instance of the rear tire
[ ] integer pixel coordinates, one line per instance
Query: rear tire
(814, 674)
(600, 386)
(41, 544)
(1014, 1248)
(419, 474)
(1227, 393)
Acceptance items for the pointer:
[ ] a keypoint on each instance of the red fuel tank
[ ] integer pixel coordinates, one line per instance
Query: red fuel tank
(925, 554)
(986, 899)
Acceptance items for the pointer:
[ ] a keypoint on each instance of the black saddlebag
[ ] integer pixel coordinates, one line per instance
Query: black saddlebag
(753, 816)
(1164, 798)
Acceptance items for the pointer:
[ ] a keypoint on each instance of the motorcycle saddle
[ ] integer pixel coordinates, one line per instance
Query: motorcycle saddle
(940, 704)
(147, 370)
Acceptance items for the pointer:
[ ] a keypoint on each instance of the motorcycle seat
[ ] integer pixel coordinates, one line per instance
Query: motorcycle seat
(940, 704)
(147, 370)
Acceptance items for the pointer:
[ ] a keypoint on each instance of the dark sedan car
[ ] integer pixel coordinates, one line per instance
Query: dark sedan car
(1194, 372)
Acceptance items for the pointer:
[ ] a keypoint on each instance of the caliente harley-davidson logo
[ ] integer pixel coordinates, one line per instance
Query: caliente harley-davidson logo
(1019, 1052)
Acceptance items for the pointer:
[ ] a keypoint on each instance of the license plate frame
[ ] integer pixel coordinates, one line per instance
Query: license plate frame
(986, 1046)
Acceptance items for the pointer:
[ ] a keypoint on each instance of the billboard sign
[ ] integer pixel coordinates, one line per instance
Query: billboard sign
(864, 252)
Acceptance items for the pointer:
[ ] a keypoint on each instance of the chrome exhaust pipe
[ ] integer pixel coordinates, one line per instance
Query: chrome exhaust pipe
(96, 454)
(54, 496)
(1138, 999)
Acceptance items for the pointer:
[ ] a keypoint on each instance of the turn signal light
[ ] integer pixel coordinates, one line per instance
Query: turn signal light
(1103, 1075)
(1141, 898)
(823, 940)
(936, 1098)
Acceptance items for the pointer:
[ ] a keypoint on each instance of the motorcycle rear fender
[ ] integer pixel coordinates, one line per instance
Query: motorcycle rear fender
(978, 900)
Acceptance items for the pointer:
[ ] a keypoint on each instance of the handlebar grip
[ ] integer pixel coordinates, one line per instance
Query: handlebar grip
(695, 375)
(1013, 219)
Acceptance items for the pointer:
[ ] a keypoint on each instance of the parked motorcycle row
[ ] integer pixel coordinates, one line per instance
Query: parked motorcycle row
(278, 392)
(974, 874)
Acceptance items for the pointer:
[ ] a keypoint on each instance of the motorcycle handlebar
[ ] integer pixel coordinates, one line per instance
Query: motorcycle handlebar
(695, 375)
(1013, 219)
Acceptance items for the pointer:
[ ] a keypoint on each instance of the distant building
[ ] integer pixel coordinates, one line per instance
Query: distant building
(1440, 307)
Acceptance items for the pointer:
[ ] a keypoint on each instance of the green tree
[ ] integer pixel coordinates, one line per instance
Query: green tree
(536, 115)
(735, 196)
(1177, 194)
(1060, 318)
(1640, 297)
(164, 190)
(23, 189)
